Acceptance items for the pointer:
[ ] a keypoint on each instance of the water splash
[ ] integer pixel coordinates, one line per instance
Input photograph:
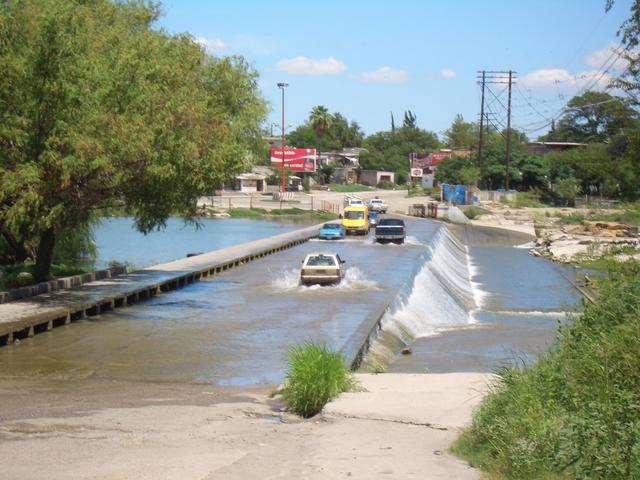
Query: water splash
(354, 280)
(409, 241)
(442, 295)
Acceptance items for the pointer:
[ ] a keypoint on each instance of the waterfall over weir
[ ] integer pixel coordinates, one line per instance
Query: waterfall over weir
(441, 296)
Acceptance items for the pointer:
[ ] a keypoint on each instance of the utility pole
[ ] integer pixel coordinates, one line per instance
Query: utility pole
(487, 79)
(282, 86)
(508, 147)
(481, 122)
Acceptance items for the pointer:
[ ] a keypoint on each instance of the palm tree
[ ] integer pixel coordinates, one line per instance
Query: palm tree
(320, 119)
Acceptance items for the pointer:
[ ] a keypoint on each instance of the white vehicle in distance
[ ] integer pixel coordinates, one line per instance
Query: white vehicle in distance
(378, 205)
(322, 268)
(352, 201)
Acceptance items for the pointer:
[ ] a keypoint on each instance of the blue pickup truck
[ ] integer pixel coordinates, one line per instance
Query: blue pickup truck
(391, 230)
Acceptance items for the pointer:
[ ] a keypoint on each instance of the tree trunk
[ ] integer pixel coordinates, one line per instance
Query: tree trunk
(20, 253)
(44, 255)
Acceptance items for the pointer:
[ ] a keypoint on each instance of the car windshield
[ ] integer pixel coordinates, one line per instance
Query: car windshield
(321, 261)
(353, 215)
(373, 215)
(332, 226)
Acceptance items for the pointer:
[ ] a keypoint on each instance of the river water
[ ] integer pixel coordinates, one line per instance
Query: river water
(117, 239)
(234, 329)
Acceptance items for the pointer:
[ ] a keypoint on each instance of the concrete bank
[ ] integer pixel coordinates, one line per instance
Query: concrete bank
(357, 346)
(25, 318)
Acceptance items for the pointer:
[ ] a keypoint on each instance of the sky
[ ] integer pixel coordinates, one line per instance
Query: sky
(368, 59)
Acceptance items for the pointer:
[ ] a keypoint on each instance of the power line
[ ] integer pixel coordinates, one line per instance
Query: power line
(489, 78)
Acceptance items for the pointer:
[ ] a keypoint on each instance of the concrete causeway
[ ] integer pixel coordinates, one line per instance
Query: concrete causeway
(25, 318)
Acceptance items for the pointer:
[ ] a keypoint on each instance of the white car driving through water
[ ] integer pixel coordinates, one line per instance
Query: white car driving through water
(322, 268)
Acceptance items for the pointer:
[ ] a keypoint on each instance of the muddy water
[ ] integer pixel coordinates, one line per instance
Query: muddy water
(229, 330)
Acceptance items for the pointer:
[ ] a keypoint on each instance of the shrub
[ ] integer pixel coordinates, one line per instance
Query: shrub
(386, 185)
(316, 375)
(576, 412)
(472, 212)
(532, 198)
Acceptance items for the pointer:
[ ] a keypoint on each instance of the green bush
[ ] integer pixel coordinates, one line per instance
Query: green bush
(386, 185)
(315, 376)
(529, 199)
(576, 412)
(472, 212)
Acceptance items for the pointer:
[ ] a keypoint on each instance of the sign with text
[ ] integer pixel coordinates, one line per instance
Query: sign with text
(427, 161)
(416, 172)
(437, 157)
(295, 159)
(420, 160)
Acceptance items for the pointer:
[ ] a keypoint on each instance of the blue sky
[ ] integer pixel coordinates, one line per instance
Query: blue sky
(366, 59)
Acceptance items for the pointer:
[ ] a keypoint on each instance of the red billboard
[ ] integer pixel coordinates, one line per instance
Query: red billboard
(295, 159)
(420, 160)
(437, 157)
(429, 161)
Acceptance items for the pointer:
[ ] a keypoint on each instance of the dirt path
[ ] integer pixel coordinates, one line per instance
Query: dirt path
(399, 428)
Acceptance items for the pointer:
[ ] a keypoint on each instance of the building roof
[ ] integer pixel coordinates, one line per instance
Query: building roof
(559, 144)
(251, 176)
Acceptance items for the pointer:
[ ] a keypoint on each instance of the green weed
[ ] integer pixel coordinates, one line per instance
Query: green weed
(315, 376)
(576, 412)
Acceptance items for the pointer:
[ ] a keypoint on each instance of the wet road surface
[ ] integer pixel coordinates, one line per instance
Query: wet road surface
(232, 329)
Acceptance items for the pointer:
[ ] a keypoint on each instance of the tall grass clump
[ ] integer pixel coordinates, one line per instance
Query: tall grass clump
(576, 412)
(315, 376)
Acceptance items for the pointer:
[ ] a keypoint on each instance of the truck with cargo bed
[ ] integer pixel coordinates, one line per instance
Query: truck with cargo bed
(391, 230)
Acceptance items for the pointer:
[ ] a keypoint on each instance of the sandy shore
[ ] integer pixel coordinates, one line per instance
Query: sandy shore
(399, 427)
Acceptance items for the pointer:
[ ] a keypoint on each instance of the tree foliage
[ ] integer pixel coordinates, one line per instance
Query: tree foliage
(461, 134)
(390, 150)
(326, 132)
(409, 120)
(594, 117)
(320, 119)
(99, 107)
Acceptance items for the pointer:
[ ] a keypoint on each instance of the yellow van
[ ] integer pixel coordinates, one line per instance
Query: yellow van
(355, 219)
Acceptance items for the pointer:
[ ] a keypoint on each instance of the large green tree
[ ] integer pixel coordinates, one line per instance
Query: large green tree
(98, 106)
(461, 134)
(325, 132)
(390, 150)
(594, 117)
(320, 119)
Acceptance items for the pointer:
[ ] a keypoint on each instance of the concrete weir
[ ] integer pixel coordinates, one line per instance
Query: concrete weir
(41, 313)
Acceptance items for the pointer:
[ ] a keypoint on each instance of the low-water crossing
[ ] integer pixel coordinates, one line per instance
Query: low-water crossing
(234, 329)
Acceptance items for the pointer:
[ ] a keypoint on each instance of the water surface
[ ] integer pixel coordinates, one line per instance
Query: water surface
(118, 240)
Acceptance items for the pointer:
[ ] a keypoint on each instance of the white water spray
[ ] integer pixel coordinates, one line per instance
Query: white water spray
(354, 280)
(442, 296)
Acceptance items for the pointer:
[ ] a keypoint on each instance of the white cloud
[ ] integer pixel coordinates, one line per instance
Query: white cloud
(602, 59)
(212, 44)
(561, 78)
(386, 75)
(447, 73)
(310, 66)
